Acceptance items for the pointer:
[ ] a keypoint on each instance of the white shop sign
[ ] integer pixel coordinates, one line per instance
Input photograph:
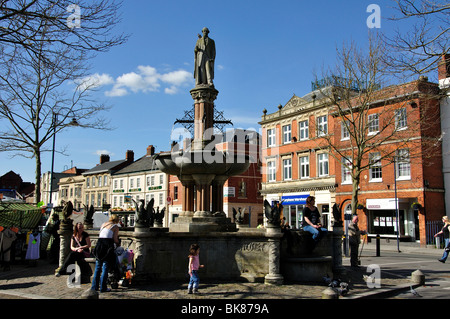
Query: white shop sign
(381, 203)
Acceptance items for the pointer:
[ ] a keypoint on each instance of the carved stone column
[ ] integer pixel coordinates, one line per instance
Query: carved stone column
(203, 97)
(217, 195)
(274, 234)
(65, 234)
(203, 183)
(338, 232)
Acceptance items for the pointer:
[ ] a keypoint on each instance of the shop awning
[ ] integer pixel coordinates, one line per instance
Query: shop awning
(294, 199)
(21, 215)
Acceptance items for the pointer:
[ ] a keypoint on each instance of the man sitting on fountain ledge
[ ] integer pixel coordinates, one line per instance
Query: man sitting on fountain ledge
(311, 221)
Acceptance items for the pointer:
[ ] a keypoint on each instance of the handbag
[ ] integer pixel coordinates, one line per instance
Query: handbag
(86, 254)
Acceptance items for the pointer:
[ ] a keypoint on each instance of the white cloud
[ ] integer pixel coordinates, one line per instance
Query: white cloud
(148, 79)
(171, 90)
(94, 81)
(177, 78)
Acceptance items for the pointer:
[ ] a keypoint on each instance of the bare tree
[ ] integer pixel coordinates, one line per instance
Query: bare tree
(43, 71)
(84, 25)
(426, 39)
(368, 128)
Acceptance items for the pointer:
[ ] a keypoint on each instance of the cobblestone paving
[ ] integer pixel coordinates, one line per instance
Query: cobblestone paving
(39, 282)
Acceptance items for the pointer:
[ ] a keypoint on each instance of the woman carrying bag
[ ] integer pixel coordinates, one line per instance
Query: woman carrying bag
(104, 253)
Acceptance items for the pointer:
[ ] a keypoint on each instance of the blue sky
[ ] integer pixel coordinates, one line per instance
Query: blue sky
(266, 52)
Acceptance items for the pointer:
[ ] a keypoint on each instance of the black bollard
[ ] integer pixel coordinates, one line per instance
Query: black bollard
(378, 245)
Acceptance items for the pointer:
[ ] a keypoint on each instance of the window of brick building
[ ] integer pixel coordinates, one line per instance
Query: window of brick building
(347, 171)
(304, 166)
(322, 125)
(322, 161)
(375, 171)
(403, 169)
(400, 118)
(271, 137)
(286, 134)
(303, 130)
(271, 171)
(287, 169)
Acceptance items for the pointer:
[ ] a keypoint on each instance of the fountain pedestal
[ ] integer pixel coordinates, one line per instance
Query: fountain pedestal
(202, 170)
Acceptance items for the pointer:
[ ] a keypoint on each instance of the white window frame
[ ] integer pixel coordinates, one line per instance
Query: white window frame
(287, 169)
(287, 133)
(345, 133)
(271, 141)
(346, 171)
(304, 166)
(373, 121)
(403, 169)
(322, 125)
(401, 119)
(375, 171)
(303, 129)
(323, 165)
(271, 171)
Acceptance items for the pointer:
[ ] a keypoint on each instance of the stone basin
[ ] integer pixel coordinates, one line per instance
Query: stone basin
(202, 162)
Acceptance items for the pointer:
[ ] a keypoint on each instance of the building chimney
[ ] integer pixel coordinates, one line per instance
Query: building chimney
(444, 67)
(129, 156)
(150, 150)
(104, 158)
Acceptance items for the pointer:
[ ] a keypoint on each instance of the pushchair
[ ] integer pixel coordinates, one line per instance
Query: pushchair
(123, 271)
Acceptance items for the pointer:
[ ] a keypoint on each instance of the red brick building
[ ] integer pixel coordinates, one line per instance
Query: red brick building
(298, 163)
(417, 176)
(295, 162)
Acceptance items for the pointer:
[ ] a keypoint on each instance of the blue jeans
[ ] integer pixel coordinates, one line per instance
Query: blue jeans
(445, 255)
(194, 280)
(316, 234)
(100, 275)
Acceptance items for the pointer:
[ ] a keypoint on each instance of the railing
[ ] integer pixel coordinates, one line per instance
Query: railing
(433, 227)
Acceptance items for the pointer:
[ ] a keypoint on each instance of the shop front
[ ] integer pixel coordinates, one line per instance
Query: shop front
(382, 218)
(293, 204)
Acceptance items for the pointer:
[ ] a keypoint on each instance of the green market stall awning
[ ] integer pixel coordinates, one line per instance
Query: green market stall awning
(21, 215)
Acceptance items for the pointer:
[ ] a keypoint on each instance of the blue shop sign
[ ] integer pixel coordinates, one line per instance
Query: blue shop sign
(294, 199)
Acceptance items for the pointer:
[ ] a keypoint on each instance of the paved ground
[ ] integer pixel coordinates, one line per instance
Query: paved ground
(23, 282)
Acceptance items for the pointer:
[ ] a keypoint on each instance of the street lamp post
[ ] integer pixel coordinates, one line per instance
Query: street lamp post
(54, 122)
(396, 206)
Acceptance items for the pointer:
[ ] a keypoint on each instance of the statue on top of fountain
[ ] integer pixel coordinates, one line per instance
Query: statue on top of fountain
(205, 54)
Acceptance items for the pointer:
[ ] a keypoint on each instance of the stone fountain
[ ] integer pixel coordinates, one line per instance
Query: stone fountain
(203, 165)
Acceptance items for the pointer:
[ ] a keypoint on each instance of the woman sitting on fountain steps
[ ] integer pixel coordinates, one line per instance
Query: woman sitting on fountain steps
(311, 221)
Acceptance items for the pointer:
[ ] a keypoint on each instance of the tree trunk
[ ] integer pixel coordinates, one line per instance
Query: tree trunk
(37, 194)
(355, 191)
